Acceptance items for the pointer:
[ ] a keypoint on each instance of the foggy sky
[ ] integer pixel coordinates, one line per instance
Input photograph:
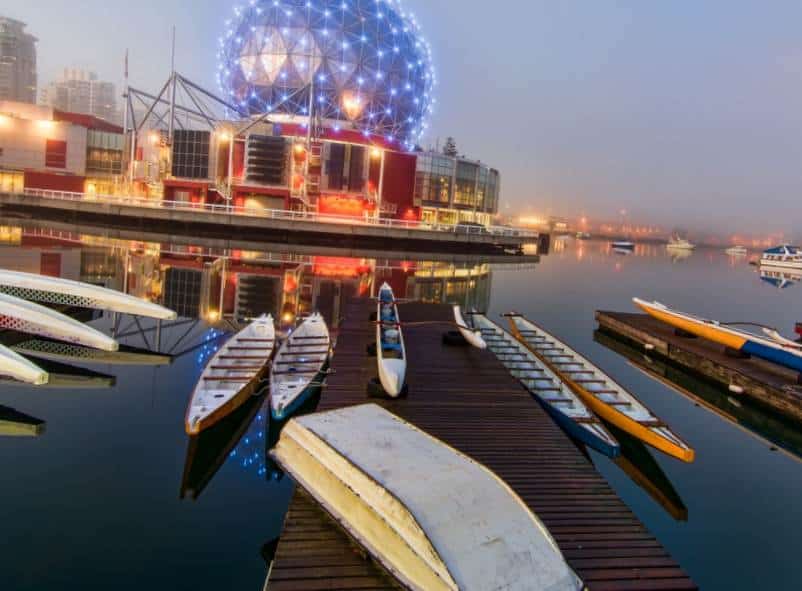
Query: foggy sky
(682, 112)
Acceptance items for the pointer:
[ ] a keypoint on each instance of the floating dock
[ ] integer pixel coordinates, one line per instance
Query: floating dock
(772, 386)
(467, 398)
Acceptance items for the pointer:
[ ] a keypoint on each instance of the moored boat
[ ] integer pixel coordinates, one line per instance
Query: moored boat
(564, 406)
(677, 243)
(300, 366)
(737, 251)
(53, 290)
(603, 395)
(232, 376)
(772, 347)
(71, 353)
(391, 352)
(473, 336)
(435, 519)
(28, 317)
(623, 245)
(14, 365)
(785, 256)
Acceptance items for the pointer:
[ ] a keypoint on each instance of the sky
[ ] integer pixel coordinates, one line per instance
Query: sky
(686, 113)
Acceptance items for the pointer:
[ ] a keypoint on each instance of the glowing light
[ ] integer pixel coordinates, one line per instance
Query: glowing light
(268, 59)
(224, 136)
(375, 153)
(352, 105)
(155, 138)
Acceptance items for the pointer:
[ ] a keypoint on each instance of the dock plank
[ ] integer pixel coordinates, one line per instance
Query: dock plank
(466, 398)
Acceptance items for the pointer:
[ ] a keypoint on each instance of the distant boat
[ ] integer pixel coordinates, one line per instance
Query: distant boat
(53, 290)
(434, 518)
(583, 236)
(300, 366)
(623, 245)
(785, 256)
(564, 406)
(232, 376)
(677, 243)
(772, 348)
(30, 318)
(603, 395)
(391, 352)
(737, 251)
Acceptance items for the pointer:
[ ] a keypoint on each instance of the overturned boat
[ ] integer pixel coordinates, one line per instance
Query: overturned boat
(23, 316)
(53, 290)
(432, 517)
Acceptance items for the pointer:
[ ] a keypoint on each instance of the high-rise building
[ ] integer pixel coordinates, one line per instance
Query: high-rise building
(17, 62)
(80, 91)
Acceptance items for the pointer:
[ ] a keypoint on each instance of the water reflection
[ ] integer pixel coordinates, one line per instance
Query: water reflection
(779, 279)
(639, 464)
(17, 424)
(739, 411)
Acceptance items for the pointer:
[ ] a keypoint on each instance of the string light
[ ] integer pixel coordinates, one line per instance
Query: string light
(273, 50)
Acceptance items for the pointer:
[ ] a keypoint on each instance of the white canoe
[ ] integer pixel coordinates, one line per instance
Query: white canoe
(69, 353)
(14, 365)
(603, 395)
(23, 316)
(391, 352)
(431, 516)
(52, 290)
(298, 369)
(232, 376)
(474, 337)
(563, 405)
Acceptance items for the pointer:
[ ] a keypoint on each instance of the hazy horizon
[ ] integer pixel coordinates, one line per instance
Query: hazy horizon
(683, 114)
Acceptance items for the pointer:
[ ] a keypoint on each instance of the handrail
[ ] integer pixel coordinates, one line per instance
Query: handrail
(283, 214)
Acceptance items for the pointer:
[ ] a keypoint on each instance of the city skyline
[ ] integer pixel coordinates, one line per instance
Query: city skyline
(685, 116)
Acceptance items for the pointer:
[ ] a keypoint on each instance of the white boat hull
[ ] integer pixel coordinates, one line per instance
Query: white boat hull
(23, 316)
(232, 375)
(474, 337)
(54, 290)
(781, 264)
(298, 367)
(391, 360)
(435, 519)
(14, 365)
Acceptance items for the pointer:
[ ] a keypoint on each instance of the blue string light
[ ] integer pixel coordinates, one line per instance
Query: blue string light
(359, 53)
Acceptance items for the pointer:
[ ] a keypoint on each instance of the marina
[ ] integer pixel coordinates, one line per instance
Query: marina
(468, 400)
(296, 297)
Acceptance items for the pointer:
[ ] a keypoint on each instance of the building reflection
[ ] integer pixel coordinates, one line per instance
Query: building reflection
(225, 286)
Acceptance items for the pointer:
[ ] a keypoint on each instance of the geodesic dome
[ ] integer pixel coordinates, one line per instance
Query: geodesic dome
(364, 62)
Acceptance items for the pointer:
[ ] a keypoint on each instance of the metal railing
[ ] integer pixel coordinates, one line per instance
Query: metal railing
(285, 215)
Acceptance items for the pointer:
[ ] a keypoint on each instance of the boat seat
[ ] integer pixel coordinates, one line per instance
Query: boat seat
(391, 347)
(555, 400)
(248, 348)
(618, 403)
(227, 379)
(236, 367)
(294, 373)
(299, 363)
(255, 340)
(590, 381)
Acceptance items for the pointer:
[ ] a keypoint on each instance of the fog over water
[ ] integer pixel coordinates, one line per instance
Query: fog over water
(682, 113)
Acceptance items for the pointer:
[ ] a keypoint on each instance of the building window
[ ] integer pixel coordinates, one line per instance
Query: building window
(433, 179)
(191, 154)
(56, 154)
(465, 189)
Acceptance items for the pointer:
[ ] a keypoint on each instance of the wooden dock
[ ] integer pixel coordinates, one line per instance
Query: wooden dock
(772, 386)
(466, 398)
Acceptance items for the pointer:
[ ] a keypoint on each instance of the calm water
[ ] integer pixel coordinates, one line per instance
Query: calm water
(95, 502)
